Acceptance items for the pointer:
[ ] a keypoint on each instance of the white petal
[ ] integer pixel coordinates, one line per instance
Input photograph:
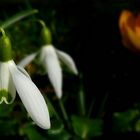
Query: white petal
(24, 72)
(42, 55)
(6, 82)
(11, 89)
(4, 76)
(67, 60)
(25, 61)
(31, 97)
(51, 64)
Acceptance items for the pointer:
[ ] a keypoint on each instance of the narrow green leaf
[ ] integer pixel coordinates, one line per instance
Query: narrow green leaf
(81, 101)
(17, 17)
(51, 108)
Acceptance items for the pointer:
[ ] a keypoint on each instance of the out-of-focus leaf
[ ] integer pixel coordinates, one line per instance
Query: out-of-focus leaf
(8, 127)
(64, 135)
(5, 110)
(137, 126)
(52, 110)
(57, 131)
(31, 133)
(17, 17)
(81, 101)
(124, 121)
(56, 127)
(87, 128)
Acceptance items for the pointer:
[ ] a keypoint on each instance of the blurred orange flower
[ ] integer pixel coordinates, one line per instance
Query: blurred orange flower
(129, 25)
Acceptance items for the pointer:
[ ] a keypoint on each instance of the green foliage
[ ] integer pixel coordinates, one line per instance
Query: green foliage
(63, 135)
(87, 128)
(56, 127)
(126, 121)
(9, 125)
(31, 133)
(19, 16)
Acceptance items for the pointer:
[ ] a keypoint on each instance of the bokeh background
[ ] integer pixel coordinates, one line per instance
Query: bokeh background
(89, 32)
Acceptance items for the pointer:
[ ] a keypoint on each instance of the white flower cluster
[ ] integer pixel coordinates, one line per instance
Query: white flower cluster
(15, 78)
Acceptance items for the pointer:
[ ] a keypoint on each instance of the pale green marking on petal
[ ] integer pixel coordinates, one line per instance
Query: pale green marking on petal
(5, 97)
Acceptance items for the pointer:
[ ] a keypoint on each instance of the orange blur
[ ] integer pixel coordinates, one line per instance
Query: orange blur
(129, 25)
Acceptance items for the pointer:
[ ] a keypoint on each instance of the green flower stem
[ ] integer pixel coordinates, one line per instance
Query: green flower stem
(64, 113)
(81, 102)
(91, 108)
(2, 31)
(102, 105)
(42, 23)
(63, 110)
(81, 98)
(52, 108)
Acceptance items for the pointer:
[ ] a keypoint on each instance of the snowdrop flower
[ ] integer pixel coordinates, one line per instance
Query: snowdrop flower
(49, 58)
(14, 78)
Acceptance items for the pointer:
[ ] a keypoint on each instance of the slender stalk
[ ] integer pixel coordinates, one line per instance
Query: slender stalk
(28, 4)
(81, 102)
(65, 116)
(91, 108)
(103, 104)
(81, 98)
(63, 110)
(52, 108)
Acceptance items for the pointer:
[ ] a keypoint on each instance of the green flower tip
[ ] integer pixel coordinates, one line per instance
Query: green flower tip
(5, 47)
(46, 36)
(5, 97)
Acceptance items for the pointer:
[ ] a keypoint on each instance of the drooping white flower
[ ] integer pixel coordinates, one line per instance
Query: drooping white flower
(49, 57)
(14, 78)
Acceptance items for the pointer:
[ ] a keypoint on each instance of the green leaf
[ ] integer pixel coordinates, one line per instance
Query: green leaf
(137, 126)
(124, 121)
(64, 135)
(56, 127)
(87, 128)
(17, 17)
(8, 127)
(81, 101)
(57, 131)
(51, 108)
(31, 133)
(5, 110)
